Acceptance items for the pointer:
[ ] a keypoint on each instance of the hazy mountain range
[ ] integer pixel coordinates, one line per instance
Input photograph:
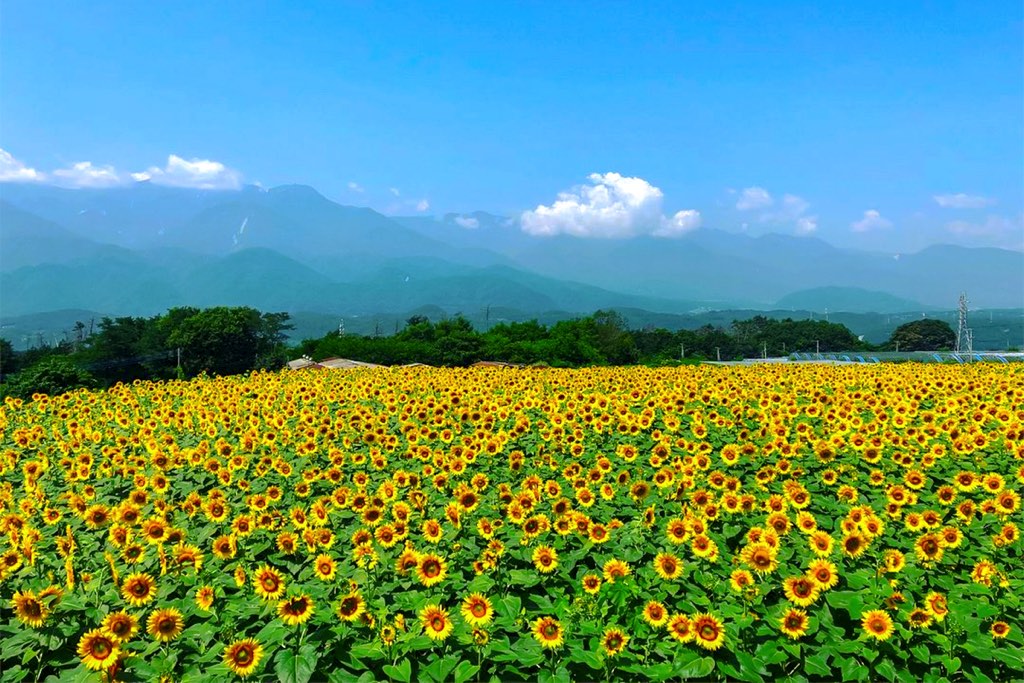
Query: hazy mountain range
(141, 249)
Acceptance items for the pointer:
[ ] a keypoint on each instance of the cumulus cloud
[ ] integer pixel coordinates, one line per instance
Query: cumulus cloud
(994, 230)
(467, 222)
(84, 174)
(963, 201)
(201, 174)
(14, 171)
(353, 186)
(423, 205)
(395, 191)
(872, 220)
(610, 206)
(680, 224)
(792, 210)
(754, 198)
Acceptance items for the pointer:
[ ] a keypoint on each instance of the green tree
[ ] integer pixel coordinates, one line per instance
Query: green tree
(53, 375)
(8, 361)
(229, 340)
(922, 335)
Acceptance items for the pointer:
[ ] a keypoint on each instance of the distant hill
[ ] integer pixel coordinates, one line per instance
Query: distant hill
(142, 248)
(847, 299)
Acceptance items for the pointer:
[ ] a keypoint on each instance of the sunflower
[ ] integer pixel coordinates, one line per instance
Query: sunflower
(801, 590)
(615, 569)
(268, 583)
(794, 623)
(351, 607)
(325, 567)
(204, 597)
(919, 618)
(99, 650)
(243, 656)
(120, 626)
(740, 580)
(929, 548)
(936, 605)
(437, 625)
(708, 631)
(545, 559)
(29, 608)
(548, 631)
(477, 610)
(823, 573)
(821, 543)
(668, 566)
(138, 589)
(681, 628)
(655, 613)
(296, 610)
(877, 624)
(614, 641)
(1000, 629)
(591, 583)
(165, 624)
(431, 569)
(854, 544)
(760, 557)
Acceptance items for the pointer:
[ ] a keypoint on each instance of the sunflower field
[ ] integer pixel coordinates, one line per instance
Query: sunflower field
(802, 523)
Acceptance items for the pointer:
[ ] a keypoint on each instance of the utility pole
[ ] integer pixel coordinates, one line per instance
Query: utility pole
(817, 348)
(682, 351)
(764, 351)
(718, 352)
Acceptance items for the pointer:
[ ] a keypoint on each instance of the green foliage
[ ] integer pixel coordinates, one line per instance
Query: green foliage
(54, 375)
(922, 335)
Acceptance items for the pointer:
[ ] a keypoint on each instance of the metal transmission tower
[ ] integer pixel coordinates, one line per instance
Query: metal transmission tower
(964, 334)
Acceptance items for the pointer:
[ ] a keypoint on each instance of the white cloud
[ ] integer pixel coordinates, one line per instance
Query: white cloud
(872, 220)
(14, 171)
(754, 198)
(467, 222)
(611, 206)
(962, 201)
(806, 225)
(353, 186)
(84, 174)
(791, 210)
(201, 174)
(680, 224)
(423, 205)
(995, 230)
(395, 191)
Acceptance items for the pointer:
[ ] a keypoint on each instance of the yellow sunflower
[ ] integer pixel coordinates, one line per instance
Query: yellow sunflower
(548, 631)
(243, 656)
(437, 625)
(165, 624)
(98, 650)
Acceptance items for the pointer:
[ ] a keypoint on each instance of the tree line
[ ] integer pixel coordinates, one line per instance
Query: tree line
(185, 342)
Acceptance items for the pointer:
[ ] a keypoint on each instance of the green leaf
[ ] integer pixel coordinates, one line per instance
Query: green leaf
(817, 665)
(523, 578)
(852, 669)
(700, 668)
(559, 676)
(852, 602)
(399, 672)
(465, 671)
(439, 669)
(921, 653)
(886, 669)
(951, 665)
(296, 668)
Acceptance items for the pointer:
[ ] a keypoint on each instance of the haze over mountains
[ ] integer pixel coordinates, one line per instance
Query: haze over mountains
(140, 249)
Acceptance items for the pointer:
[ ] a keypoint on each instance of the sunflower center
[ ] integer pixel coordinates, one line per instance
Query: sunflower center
(479, 609)
(101, 649)
(437, 623)
(243, 656)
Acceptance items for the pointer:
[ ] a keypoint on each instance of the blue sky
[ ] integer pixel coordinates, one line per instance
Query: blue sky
(884, 124)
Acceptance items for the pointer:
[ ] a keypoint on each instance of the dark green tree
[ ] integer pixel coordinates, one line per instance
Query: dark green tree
(922, 335)
(53, 375)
